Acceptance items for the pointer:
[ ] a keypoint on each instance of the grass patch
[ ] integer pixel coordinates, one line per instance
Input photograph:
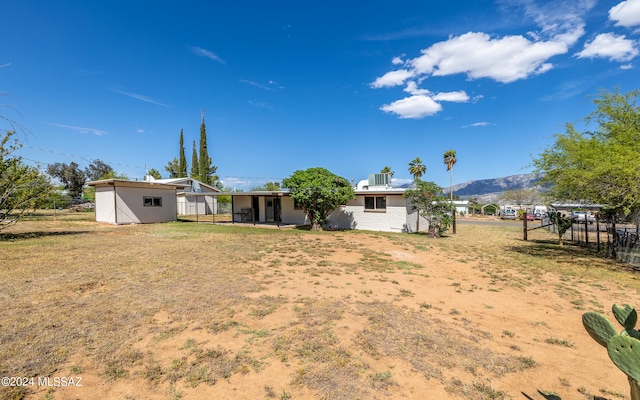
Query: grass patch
(130, 302)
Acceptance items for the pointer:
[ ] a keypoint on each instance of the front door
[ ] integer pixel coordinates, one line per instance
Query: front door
(272, 209)
(255, 204)
(269, 209)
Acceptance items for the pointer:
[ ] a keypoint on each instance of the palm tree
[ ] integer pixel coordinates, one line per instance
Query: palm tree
(387, 170)
(449, 161)
(417, 168)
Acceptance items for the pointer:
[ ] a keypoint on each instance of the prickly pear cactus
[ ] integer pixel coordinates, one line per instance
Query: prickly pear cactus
(624, 347)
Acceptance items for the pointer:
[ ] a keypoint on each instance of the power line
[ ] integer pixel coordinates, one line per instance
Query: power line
(90, 160)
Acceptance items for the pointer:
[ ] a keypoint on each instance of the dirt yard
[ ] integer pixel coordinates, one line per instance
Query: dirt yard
(220, 312)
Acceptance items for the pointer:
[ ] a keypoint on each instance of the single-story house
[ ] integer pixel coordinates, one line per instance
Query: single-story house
(193, 196)
(375, 207)
(121, 201)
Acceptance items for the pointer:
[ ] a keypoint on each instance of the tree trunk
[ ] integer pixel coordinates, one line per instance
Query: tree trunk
(434, 231)
(316, 226)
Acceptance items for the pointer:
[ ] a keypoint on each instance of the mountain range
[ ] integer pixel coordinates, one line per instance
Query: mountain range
(490, 190)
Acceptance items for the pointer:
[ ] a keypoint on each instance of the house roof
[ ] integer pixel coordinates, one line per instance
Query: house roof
(187, 182)
(139, 184)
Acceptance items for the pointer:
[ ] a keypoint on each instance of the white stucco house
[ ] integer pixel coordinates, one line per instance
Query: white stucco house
(377, 207)
(135, 202)
(193, 196)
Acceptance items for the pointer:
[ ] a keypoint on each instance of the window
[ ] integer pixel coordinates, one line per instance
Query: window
(152, 201)
(378, 203)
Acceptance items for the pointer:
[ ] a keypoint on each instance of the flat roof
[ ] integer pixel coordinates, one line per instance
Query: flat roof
(140, 184)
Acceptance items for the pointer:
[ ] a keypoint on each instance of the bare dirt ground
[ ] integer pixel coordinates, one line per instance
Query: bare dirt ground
(205, 312)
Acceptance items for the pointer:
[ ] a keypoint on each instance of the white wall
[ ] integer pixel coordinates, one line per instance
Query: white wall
(393, 219)
(200, 205)
(105, 209)
(240, 202)
(290, 215)
(130, 208)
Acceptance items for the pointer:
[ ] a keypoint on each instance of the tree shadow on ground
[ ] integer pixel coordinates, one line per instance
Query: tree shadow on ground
(6, 237)
(568, 253)
(552, 396)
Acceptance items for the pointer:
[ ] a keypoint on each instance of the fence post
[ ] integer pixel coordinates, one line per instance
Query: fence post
(524, 226)
(614, 248)
(597, 234)
(586, 232)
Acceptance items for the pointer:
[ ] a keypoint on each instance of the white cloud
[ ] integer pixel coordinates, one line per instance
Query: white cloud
(626, 66)
(140, 97)
(611, 46)
(397, 61)
(412, 88)
(207, 54)
(413, 107)
(626, 13)
(393, 78)
(459, 96)
(475, 124)
(271, 85)
(478, 55)
(97, 132)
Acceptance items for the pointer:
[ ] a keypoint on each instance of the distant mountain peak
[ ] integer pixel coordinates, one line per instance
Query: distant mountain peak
(489, 190)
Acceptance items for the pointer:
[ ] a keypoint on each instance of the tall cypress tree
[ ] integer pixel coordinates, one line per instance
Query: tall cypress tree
(182, 172)
(195, 165)
(204, 159)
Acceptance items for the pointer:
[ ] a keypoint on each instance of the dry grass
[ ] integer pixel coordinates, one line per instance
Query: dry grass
(73, 290)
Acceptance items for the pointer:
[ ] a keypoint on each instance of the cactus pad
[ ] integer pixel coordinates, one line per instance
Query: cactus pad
(598, 327)
(624, 351)
(625, 315)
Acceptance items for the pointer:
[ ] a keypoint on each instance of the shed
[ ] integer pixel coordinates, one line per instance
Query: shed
(135, 202)
(194, 197)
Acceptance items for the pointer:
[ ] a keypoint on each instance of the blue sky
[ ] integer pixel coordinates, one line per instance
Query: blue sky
(286, 85)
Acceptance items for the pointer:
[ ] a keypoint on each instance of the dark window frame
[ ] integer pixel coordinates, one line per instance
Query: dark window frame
(152, 201)
(375, 203)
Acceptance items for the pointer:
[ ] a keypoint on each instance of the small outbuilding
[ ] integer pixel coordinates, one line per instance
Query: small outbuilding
(194, 197)
(135, 202)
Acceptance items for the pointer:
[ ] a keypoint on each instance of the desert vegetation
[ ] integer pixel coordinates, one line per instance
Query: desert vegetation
(198, 311)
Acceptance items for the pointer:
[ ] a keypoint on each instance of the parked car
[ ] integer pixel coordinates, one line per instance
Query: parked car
(508, 214)
(583, 217)
(530, 216)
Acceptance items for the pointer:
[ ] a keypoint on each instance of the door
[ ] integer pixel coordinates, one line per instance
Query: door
(255, 204)
(269, 209)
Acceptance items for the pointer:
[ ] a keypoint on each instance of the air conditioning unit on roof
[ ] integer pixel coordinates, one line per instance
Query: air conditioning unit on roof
(379, 180)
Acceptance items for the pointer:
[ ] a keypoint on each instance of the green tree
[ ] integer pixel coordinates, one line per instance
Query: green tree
(195, 164)
(318, 192)
(600, 166)
(155, 173)
(21, 187)
(70, 175)
(521, 197)
(97, 170)
(182, 165)
(206, 169)
(450, 160)
(416, 168)
(268, 186)
(173, 168)
(114, 175)
(426, 199)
